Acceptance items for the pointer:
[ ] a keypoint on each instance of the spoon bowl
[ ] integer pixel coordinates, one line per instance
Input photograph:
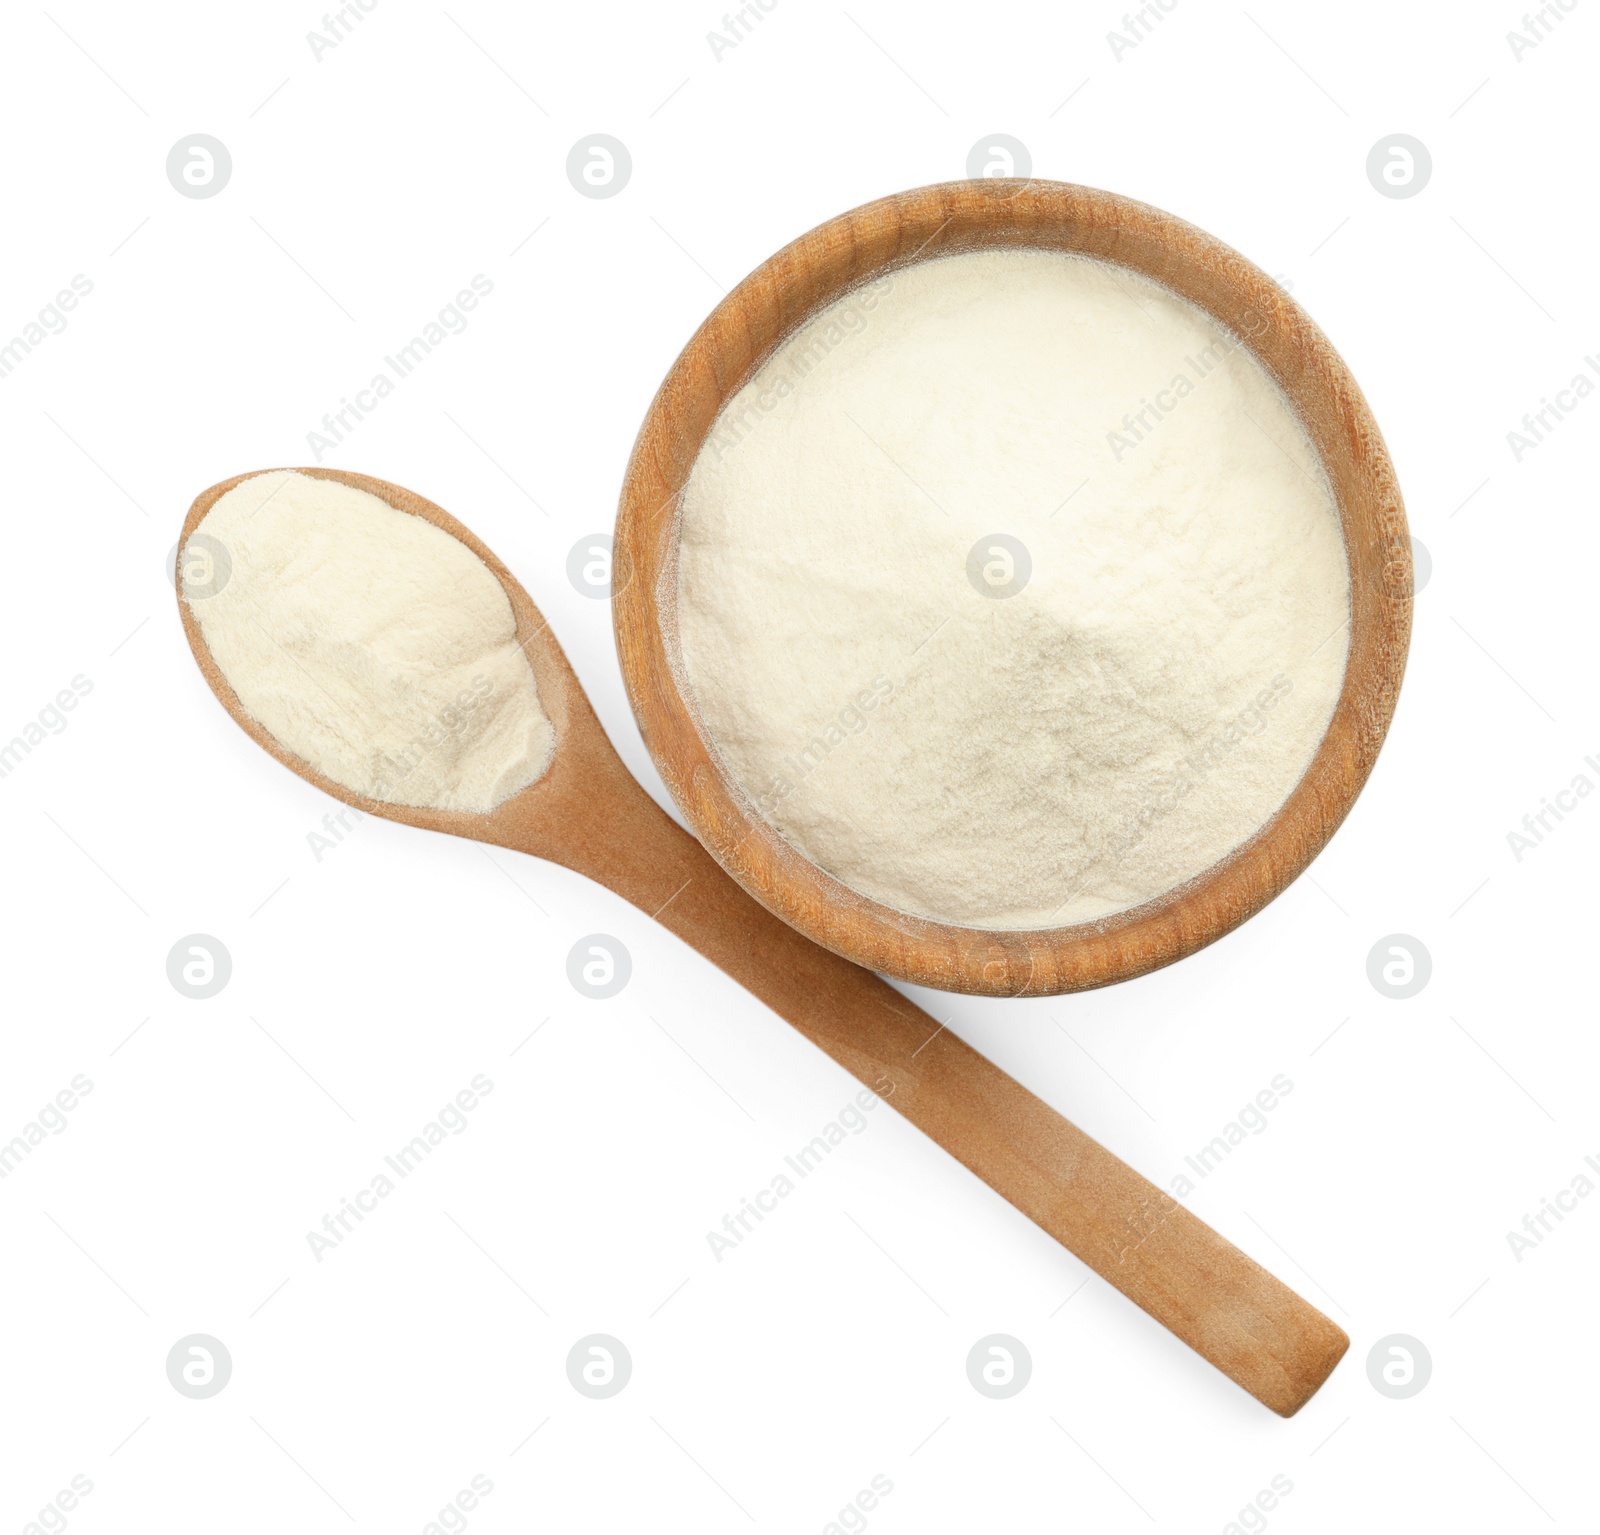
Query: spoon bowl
(589, 814)
(548, 818)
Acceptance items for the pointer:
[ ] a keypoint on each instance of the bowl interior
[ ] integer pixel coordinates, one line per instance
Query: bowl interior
(783, 294)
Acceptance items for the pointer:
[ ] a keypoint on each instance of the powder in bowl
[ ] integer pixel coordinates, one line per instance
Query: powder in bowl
(370, 643)
(1011, 591)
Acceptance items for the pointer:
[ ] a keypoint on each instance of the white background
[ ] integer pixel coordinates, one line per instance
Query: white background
(370, 986)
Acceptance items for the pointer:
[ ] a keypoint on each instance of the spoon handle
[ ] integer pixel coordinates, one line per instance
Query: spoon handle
(1220, 1302)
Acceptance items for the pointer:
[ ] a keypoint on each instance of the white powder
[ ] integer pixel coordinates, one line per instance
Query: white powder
(1146, 700)
(371, 644)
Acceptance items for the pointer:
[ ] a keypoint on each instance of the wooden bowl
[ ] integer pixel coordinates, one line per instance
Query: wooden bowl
(783, 294)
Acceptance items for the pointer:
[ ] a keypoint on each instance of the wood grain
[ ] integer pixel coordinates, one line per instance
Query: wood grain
(782, 295)
(589, 814)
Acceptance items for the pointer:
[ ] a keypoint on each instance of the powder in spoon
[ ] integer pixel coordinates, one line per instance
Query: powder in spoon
(1012, 591)
(371, 644)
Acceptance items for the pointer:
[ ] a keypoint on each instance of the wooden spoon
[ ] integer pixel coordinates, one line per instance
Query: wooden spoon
(589, 814)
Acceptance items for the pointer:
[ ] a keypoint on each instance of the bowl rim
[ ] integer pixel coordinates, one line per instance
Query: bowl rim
(779, 297)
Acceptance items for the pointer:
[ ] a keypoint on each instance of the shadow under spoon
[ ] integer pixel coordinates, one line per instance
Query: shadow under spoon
(588, 813)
